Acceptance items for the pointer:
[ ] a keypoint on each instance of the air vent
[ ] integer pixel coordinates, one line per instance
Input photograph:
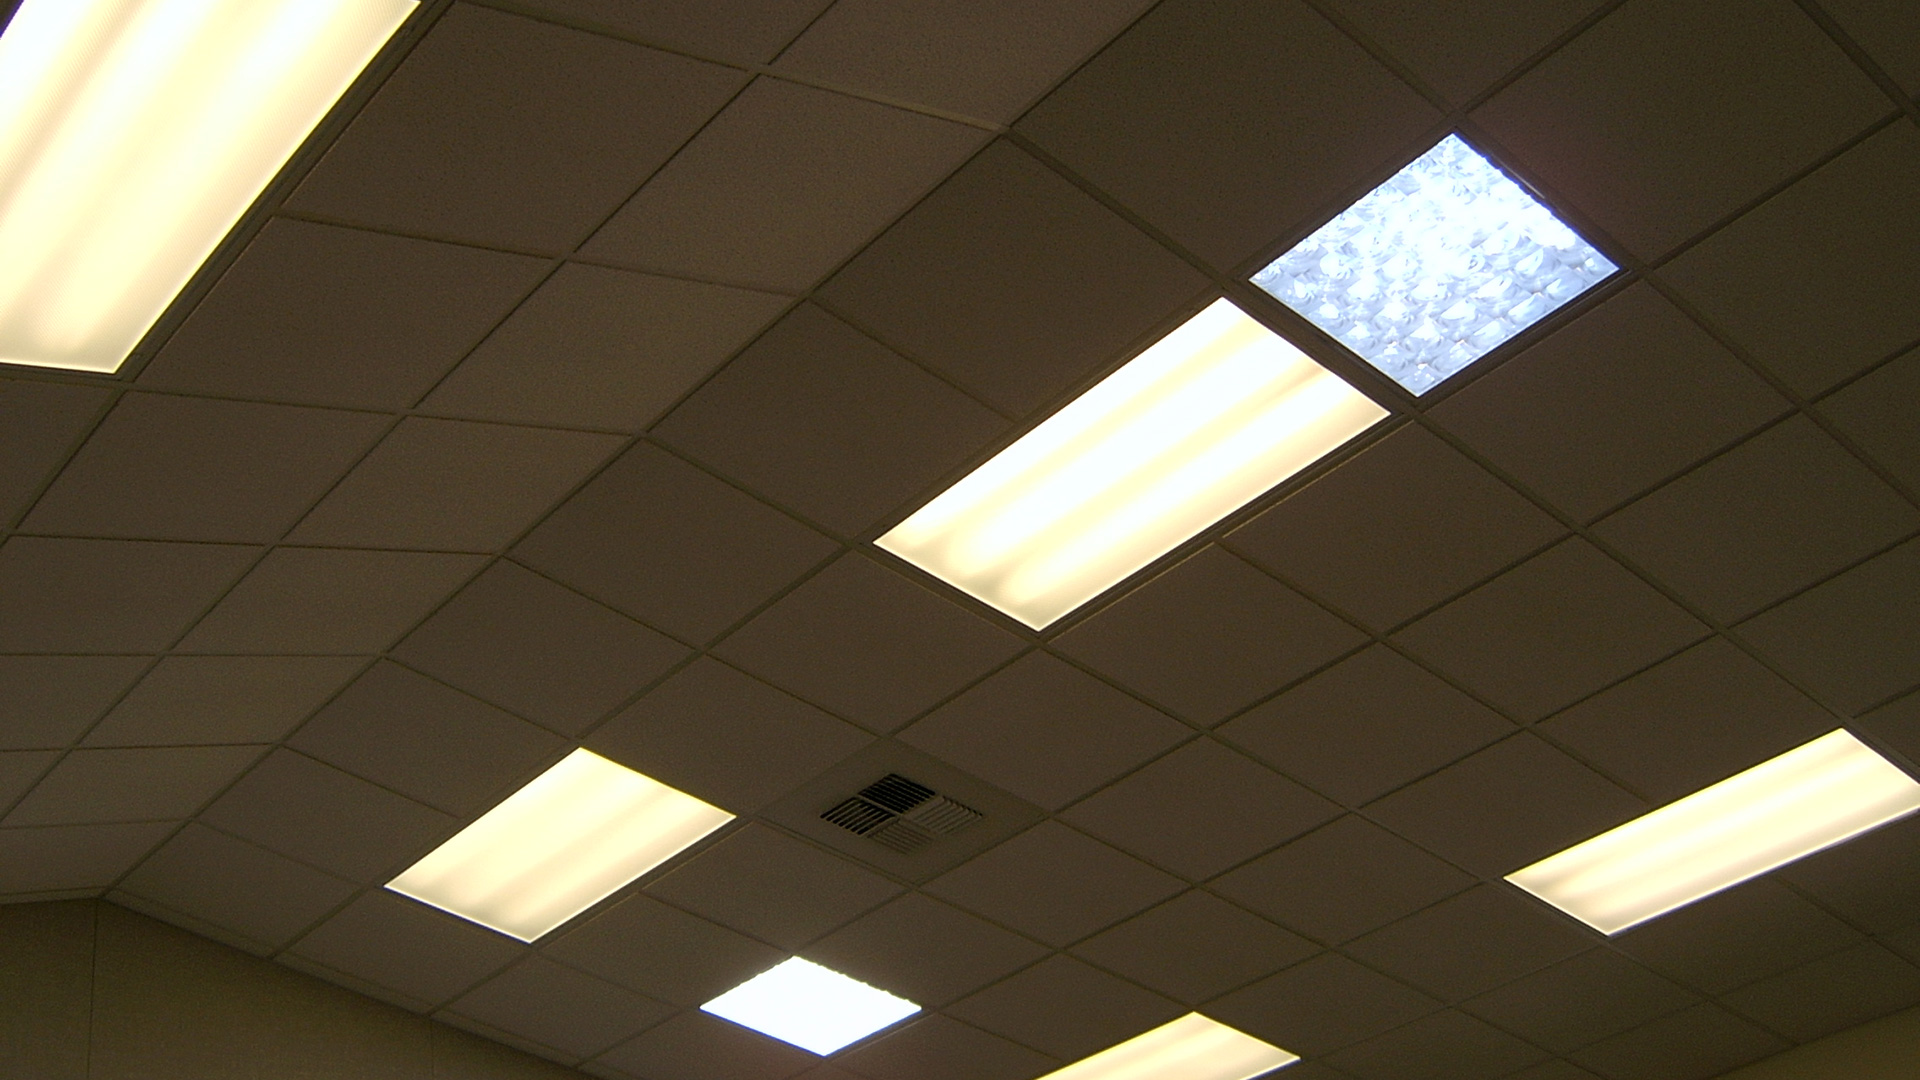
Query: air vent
(900, 814)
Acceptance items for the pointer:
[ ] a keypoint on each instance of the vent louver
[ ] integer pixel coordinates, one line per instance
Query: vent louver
(900, 814)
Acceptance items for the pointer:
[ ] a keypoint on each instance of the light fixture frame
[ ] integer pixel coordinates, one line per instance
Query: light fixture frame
(221, 258)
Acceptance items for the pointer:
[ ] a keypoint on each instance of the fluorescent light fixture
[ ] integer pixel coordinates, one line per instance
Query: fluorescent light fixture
(133, 134)
(1435, 268)
(1190, 1048)
(1207, 418)
(561, 844)
(1812, 797)
(813, 1007)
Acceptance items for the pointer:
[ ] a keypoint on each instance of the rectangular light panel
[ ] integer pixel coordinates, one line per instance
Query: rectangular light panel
(561, 844)
(815, 1008)
(1436, 267)
(1808, 798)
(1207, 418)
(1190, 1048)
(133, 134)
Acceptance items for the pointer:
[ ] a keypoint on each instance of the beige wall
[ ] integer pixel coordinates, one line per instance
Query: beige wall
(90, 991)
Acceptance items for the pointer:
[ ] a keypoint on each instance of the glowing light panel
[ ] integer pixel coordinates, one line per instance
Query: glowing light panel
(813, 1007)
(561, 844)
(1208, 417)
(1808, 798)
(133, 134)
(1435, 268)
(1190, 1048)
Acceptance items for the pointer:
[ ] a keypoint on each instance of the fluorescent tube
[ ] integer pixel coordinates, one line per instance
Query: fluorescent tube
(1808, 798)
(1207, 418)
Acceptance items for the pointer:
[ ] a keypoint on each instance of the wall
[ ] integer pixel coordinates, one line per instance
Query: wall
(90, 991)
(1883, 1049)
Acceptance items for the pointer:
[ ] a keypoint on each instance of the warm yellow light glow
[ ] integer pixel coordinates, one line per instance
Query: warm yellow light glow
(559, 845)
(1808, 798)
(1210, 416)
(133, 134)
(1190, 1048)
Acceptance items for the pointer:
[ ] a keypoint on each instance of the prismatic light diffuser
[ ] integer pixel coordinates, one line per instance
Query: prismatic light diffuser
(1210, 416)
(1435, 268)
(564, 842)
(1808, 798)
(1190, 1048)
(133, 134)
(813, 1007)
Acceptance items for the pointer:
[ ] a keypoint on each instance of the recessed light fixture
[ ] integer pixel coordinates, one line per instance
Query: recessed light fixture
(1435, 268)
(813, 1007)
(1808, 798)
(561, 844)
(133, 134)
(1207, 418)
(1190, 1048)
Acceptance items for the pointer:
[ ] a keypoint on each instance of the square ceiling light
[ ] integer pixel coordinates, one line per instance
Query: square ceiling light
(1208, 417)
(815, 1008)
(133, 134)
(1190, 1048)
(1812, 797)
(561, 844)
(1435, 268)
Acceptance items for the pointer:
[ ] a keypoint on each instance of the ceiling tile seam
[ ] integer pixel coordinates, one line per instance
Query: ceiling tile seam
(154, 909)
(1380, 55)
(1858, 376)
(74, 446)
(1277, 317)
(599, 29)
(1674, 252)
(1860, 57)
(910, 356)
(266, 204)
(525, 957)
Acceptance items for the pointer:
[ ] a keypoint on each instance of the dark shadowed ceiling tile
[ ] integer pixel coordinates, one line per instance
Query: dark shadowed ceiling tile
(662, 952)
(1883, 29)
(1581, 1000)
(868, 644)
(1200, 810)
(695, 1046)
(502, 130)
(1823, 279)
(1472, 942)
(1510, 805)
(60, 858)
(1063, 1007)
(1875, 414)
(1402, 526)
(829, 423)
(408, 947)
(1460, 51)
(726, 737)
(1210, 86)
(1321, 1005)
(321, 315)
(1872, 880)
(1342, 880)
(1553, 629)
(171, 468)
(1748, 932)
(744, 31)
(40, 423)
(665, 542)
(1365, 726)
(1208, 637)
(318, 600)
(236, 886)
(1045, 731)
(1055, 884)
(1586, 423)
(1656, 142)
(1448, 1045)
(987, 60)
(1839, 991)
(782, 187)
(545, 652)
(46, 702)
(1689, 722)
(1852, 639)
(1703, 1041)
(1761, 521)
(936, 1048)
(108, 595)
(453, 486)
(559, 1007)
(771, 886)
(1195, 947)
(603, 348)
(151, 784)
(923, 950)
(187, 700)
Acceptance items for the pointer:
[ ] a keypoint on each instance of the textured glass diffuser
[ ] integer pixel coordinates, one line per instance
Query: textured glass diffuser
(561, 844)
(1190, 1048)
(1808, 798)
(1435, 268)
(1207, 418)
(133, 134)
(815, 1008)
